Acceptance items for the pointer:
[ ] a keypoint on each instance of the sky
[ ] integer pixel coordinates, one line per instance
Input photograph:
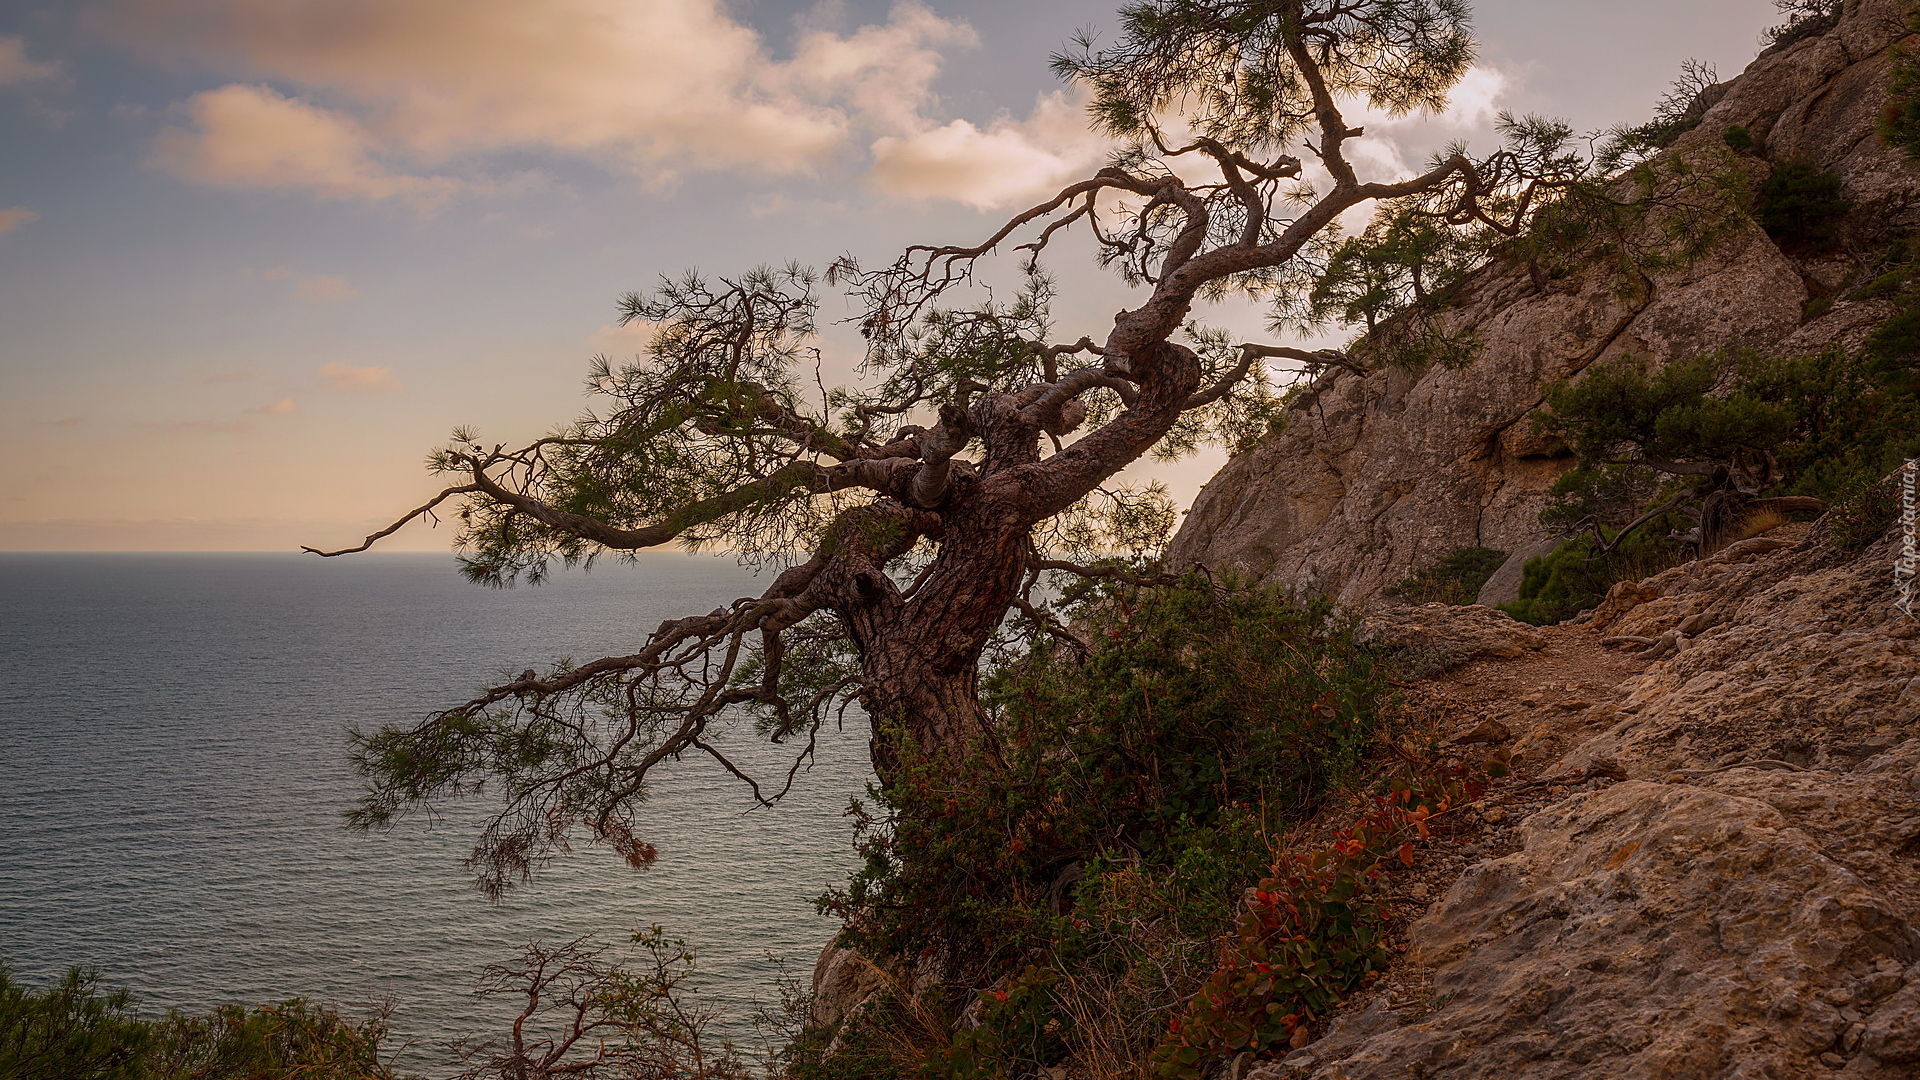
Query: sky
(258, 257)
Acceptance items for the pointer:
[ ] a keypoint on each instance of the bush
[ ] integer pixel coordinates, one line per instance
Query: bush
(1900, 122)
(73, 1029)
(1455, 579)
(1801, 207)
(1087, 873)
(1572, 578)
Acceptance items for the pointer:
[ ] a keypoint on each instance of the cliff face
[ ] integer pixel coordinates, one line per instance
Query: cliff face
(1727, 883)
(1376, 477)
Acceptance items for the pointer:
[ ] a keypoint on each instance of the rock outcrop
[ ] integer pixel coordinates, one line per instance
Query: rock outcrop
(1731, 888)
(1375, 477)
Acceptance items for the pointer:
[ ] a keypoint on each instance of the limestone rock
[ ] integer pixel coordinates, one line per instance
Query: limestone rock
(1655, 930)
(1435, 637)
(1376, 477)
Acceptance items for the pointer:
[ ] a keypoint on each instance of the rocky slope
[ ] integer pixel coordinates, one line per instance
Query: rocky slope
(1378, 476)
(1723, 882)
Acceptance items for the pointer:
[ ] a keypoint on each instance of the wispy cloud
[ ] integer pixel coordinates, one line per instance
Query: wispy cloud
(358, 380)
(16, 68)
(253, 137)
(309, 287)
(283, 407)
(16, 216)
(410, 86)
(1010, 161)
(325, 287)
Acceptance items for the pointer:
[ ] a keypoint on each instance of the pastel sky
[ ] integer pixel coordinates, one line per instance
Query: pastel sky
(257, 257)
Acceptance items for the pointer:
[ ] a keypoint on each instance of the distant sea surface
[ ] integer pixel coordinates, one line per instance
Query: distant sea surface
(173, 770)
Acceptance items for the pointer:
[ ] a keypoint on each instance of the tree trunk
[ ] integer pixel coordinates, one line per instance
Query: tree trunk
(920, 653)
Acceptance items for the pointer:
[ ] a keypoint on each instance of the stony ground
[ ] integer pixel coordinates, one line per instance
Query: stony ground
(1705, 863)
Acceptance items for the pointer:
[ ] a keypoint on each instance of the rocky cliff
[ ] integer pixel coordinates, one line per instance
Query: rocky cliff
(1377, 476)
(1716, 872)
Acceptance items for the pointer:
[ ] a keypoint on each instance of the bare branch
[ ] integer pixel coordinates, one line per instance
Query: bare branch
(396, 526)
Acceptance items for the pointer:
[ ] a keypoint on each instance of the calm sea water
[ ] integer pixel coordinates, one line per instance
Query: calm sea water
(173, 771)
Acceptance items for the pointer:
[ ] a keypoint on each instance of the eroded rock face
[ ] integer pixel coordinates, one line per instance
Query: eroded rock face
(1380, 476)
(1432, 638)
(1672, 931)
(1746, 904)
(1806, 662)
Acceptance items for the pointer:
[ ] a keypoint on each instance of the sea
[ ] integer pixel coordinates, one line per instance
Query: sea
(174, 770)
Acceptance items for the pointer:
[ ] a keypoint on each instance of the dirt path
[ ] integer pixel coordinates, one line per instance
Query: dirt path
(1535, 707)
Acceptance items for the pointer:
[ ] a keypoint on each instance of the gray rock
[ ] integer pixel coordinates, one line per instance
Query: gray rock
(1376, 477)
(1504, 586)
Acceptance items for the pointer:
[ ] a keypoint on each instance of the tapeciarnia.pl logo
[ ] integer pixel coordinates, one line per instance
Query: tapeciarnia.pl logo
(1905, 566)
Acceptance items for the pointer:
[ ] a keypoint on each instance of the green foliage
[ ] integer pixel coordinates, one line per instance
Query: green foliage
(1628, 409)
(1311, 931)
(1738, 138)
(1900, 122)
(1233, 75)
(1199, 717)
(1142, 782)
(1576, 576)
(1803, 19)
(73, 1029)
(1801, 208)
(1677, 112)
(1863, 512)
(1827, 425)
(1455, 579)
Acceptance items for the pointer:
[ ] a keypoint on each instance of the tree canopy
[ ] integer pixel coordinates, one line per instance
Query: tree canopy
(918, 510)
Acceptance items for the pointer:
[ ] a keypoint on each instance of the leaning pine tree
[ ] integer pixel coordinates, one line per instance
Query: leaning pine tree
(928, 502)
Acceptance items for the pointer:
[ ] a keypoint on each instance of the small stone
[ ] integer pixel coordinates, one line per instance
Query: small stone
(1557, 789)
(1676, 778)
(1889, 964)
(1839, 995)
(1574, 704)
(1832, 1060)
(1419, 890)
(1851, 1040)
(1299, 1059)
(1488, 731)
(1530, 700)
(1494, 815)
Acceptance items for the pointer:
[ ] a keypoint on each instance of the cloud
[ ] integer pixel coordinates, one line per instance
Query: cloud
(325, 287)
(252, 137)
(16, 69)
(391, 89)
(283, 407)
(358, 380)
(1010, 162)
(628, 340)
(215, 427)
(14, 217)
(1396, 146)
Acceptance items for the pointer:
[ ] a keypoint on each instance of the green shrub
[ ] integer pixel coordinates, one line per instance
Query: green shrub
(1737, 137)
(1088, 871)
(1864, 513)
(73, 1029)
(1801, 207)
(1455, 579)
(1900, 122)
(1314, 929)
(1571, 578)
